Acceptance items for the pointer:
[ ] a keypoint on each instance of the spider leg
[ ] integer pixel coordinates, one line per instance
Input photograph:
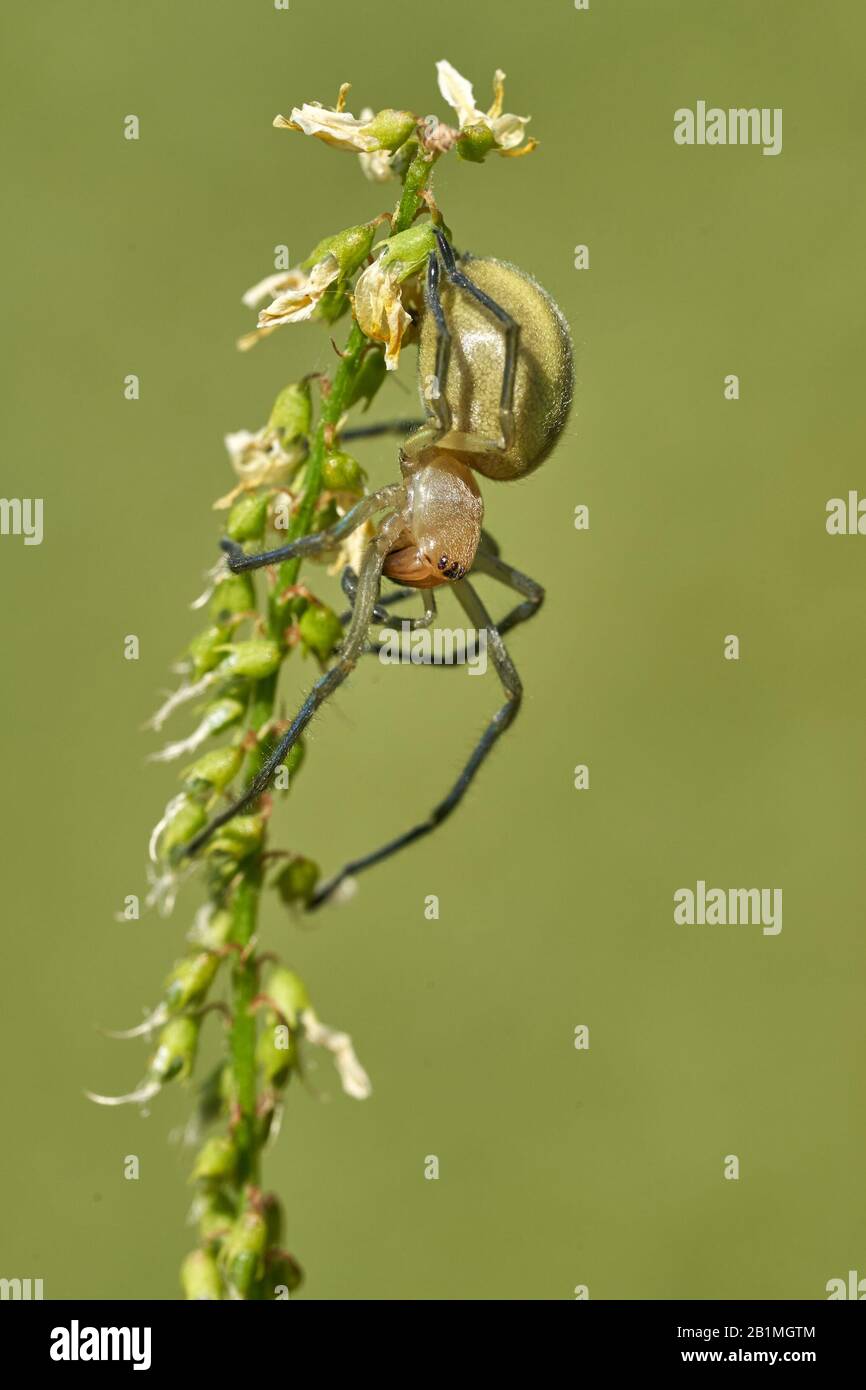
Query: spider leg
(383, 427)
(435, 392)
(353, 646)
(505, 669)
(322, 541)
(511, 329)
(487, 561)
(349, 585)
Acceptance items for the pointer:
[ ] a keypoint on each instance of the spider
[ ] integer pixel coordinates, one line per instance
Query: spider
(496, 376)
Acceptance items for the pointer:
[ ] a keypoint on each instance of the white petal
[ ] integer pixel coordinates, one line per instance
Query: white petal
(139, 1097)
(271, 285)
(354, 1079)
(153, 1021)
(338, 128)
(458, 93)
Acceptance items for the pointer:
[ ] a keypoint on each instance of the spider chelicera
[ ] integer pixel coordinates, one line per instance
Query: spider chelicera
(495, 372)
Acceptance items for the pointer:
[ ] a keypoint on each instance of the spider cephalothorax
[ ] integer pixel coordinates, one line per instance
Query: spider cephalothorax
(495, 374)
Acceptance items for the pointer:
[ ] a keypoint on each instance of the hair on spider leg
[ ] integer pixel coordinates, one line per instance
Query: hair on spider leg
(500, 406)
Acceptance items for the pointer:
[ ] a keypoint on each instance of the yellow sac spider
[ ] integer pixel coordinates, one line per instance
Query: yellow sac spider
(495, 371)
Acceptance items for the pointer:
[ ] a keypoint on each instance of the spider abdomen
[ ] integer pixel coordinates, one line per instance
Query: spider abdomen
(544, 379)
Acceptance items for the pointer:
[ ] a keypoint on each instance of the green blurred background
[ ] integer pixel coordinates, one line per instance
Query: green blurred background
(558, 1167)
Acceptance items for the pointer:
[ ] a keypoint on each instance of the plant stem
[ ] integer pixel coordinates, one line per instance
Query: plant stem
(243, 1036)
(246, 897)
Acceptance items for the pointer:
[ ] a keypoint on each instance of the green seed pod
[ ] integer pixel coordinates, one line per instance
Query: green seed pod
(320, 629)
(200, 1277)
(190, 980)
(350, 248)
(275, 1060)
(238, 838)
(216, 768)
(369, 379)
(184, 818)
(475, 143)
(342, 473)
(175, 1051)
(255, 659)
(243, 1252)
(216, 1160)
(205, 650)
(234, 594)
(296, 881)
(408, 252)
(215, 1215)
(289, 993)
(391, 127)
(292, 412)
(282, 1271)
(246, 520)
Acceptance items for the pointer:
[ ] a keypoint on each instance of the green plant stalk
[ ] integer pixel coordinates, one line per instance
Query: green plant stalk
(246, 900)
(243, 1035)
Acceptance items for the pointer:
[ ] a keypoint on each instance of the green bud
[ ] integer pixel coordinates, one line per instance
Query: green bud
(369, 378)
(216, 1160)
(276, 1061)
(205, 650)
(475, 143)
(238, 838)
(175, 1051)
(228, 1086)
(234, 594)
(246, 520)
(185, 818)
(208, 1100)
(282, 1271)
(190, 980)
(200, 1277)
(392, 127)
(342, 473)
(216, 768)
(296, 880)
(320, 629)
(255, 659)
(289, 993)
(407, 252)
(215, 1214)
(244, 1250)
(292, 411)
(213, 931)
(222, 713)
(350, 247)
